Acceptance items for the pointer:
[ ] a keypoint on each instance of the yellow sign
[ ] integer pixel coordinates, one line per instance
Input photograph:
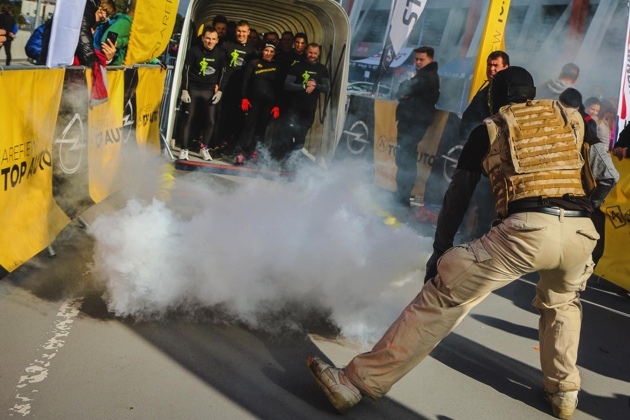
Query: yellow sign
(614, 265)
(385, 141)
(105, 135)
(148, 99)
(151, 30)
(492, 39)
(385, 144)
(29, 104)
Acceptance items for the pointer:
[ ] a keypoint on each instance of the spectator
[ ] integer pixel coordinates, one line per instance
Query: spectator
(552, 88)
(7, 23)
(415, 111)
(95, 12)
(592, 106)
(479, 108)
(303, 85)
(35, 44)
(201, 89)
(261, 87)
(606, 124)
(120, 24)
(620, 150)
(590, 110)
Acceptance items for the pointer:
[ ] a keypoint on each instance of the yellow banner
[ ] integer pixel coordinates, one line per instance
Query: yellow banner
(385, 135)
(29, 104)
(105, 133)
(148, 99)
(614, 265)
(151, 29)
(384, 144)
(492, 39)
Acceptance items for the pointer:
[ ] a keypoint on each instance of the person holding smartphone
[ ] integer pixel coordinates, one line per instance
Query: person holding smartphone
(112, 37)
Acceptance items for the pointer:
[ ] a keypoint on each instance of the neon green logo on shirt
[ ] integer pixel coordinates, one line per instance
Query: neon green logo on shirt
(305, 77)
(234, 55)
(203, 64)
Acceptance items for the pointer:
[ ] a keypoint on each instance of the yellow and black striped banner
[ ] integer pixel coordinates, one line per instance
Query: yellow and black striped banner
(151, 30)
(492, 39)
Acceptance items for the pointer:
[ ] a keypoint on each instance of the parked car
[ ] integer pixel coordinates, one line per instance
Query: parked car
(365, 89)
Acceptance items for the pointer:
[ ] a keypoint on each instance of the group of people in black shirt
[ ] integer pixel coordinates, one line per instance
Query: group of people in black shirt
(234, 84)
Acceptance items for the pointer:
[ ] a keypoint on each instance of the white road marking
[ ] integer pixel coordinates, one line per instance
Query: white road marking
(38, 370)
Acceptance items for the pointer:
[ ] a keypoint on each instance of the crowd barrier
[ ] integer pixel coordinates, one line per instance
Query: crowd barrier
(370, 135)
(60, 156)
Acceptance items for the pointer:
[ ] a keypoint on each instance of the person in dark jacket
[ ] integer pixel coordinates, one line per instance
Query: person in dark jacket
(415, 111)
(33, 47)
(620, 150)
(479, 108)
(7, 22)
(95, 11)
(261, 92)
(201, 89)
(303, 86)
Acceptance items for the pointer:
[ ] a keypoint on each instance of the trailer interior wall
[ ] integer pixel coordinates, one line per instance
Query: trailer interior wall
(324, 21)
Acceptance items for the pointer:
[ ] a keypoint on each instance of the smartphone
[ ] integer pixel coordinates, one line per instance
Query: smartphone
(112, 36)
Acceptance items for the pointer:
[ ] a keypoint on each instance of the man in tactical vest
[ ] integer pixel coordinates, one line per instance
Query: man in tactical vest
(531, 151)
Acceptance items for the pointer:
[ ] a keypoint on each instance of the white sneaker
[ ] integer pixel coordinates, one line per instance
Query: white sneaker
(183, 154)
(205, 154)
(563, 403)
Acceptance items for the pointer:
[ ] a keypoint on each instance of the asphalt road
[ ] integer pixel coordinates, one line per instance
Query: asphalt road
(64, 356)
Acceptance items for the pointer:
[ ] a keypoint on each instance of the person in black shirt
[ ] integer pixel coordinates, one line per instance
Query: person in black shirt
(238, 54)
(201, 89)
(414, 113)
(261, 87)
(303, 85)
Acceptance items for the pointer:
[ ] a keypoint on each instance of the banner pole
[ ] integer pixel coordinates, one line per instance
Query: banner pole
(624, 88)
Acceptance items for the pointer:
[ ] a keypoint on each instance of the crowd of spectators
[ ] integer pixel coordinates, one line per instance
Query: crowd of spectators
(258, 78)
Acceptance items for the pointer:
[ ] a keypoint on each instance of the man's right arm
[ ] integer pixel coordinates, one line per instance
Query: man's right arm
(454, 207)
(457, 198)
(3, 36)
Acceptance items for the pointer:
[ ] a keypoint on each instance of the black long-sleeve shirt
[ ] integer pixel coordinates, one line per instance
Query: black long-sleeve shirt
(204, 68)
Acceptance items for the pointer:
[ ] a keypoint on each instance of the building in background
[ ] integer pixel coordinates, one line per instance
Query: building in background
(30, 8)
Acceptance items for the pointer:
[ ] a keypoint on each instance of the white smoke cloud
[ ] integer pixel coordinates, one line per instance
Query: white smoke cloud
(265, 253)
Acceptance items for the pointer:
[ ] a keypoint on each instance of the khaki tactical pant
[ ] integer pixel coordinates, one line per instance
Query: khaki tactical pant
(558, 247)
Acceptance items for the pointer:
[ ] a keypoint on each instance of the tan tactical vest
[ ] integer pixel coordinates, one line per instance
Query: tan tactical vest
(535, 151)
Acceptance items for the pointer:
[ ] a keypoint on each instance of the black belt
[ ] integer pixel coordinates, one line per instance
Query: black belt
(554, 211)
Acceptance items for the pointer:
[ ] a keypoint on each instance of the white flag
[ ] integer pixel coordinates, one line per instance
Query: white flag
(64, 34)
(404, 17)
(623, 108)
